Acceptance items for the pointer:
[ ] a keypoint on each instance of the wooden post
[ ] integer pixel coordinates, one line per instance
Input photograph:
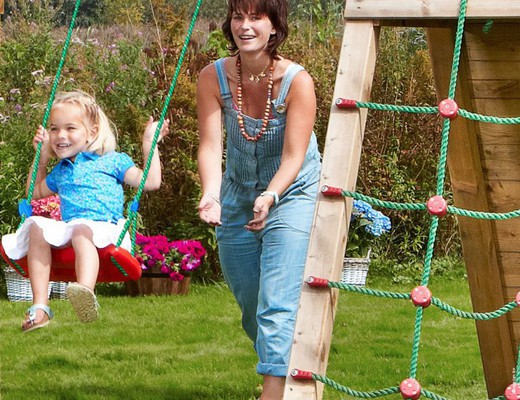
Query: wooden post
(345, 132)
(1, 7)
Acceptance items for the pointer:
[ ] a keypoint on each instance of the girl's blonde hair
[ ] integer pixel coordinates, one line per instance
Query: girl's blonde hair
(93, 115)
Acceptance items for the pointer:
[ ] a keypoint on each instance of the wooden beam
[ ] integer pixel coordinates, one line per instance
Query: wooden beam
(479, 243)
(342, 153)
(1, 6)
(430, 9)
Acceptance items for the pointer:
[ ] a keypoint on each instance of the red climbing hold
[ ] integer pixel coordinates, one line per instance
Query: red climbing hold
(346, 103)
(518, 299)
(314, 281)
(301, 375)
(410, 389)
(437, 205)
(512, 392)
(331, 191)
(448, 108)
(421, 296)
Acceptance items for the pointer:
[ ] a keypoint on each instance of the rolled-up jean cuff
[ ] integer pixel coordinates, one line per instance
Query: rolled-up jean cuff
(272, 369)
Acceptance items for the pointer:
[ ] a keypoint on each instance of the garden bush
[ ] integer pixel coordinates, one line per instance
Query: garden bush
(128, 67)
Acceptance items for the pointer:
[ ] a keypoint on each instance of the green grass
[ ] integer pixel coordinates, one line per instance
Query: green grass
(192, 348)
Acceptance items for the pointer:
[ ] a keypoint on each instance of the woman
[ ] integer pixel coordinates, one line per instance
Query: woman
(264, 204)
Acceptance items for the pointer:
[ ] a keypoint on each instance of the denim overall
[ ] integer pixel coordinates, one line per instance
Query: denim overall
(264, 270)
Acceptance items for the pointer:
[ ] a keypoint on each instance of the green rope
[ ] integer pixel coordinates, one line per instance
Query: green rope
(484, 215)
(371, 292)
(355, 393)
(416, 341)
(429, 250)
(163, 115)
(517, 369)
(435, 301)
(422, 206)
(392, 107)
(431, 395)
(488, 118)
(476, 316)
(387, 204)
(487, 26)
(50, 101)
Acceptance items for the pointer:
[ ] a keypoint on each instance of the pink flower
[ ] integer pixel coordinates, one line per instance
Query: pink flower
(172, 258)
(47, 207)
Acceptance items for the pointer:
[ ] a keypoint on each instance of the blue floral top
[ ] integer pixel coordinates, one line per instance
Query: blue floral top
(92, 186)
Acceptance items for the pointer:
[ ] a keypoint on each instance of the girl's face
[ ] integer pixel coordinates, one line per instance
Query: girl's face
(68, 134)
(251, 31)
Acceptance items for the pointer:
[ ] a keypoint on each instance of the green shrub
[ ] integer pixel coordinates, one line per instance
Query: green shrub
(129, 69)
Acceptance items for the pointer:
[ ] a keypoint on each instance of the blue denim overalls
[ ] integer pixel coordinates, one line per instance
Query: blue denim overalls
(264, 270)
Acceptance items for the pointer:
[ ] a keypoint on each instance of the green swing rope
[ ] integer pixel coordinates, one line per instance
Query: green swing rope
(24, 205)
(132, 210)
(49, 106)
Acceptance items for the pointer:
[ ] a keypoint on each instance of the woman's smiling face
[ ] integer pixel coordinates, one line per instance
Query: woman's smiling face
(251, 31)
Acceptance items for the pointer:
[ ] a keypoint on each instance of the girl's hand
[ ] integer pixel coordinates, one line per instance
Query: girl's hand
(42, 137)
(209, 210)
(151, 127)
(260, 213)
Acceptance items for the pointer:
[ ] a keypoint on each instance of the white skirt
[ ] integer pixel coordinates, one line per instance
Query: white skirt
(58, 234)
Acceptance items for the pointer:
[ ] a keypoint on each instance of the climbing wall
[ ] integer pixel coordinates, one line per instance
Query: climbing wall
(483, 160)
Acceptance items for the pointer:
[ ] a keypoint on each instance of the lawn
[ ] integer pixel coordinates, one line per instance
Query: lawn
(192, 347)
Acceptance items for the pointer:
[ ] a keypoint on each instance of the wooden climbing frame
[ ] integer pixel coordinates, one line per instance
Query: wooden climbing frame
(482, 159)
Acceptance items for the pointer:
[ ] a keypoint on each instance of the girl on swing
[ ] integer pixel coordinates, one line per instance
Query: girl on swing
(89, 180)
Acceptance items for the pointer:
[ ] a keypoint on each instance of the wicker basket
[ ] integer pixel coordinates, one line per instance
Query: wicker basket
(355, 270)
(19, 288)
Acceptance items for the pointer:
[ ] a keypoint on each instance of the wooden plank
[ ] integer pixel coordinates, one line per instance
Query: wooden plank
(497, 88)
(508, 235)
(501, 134)
(342, 152)
(478, 241)
(502, 68)
(430, 9)
(504, 196)
(503, 43)
(500, 162)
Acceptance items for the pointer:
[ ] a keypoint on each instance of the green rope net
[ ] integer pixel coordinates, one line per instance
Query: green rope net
(441, 174)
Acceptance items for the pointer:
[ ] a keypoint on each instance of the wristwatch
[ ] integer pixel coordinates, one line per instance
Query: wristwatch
(274, 195)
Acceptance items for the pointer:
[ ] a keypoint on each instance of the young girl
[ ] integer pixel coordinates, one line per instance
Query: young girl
(88, 179)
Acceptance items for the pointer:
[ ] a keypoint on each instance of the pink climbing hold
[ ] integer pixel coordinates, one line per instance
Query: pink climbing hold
(448, 108)
(437, 205)
(410, 389)
(421, 296)
(512, 392)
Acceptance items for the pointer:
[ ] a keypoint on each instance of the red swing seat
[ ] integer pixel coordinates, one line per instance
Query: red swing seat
(63, 261)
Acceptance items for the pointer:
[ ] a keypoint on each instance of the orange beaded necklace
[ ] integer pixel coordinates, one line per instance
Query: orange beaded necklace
(240, 115)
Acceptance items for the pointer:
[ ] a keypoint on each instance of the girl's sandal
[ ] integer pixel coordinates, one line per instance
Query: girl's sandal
(30, 325)
(84, 302)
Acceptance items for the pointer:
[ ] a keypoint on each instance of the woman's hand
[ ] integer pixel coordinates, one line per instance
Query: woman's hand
(260, 213)
(209, 210)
